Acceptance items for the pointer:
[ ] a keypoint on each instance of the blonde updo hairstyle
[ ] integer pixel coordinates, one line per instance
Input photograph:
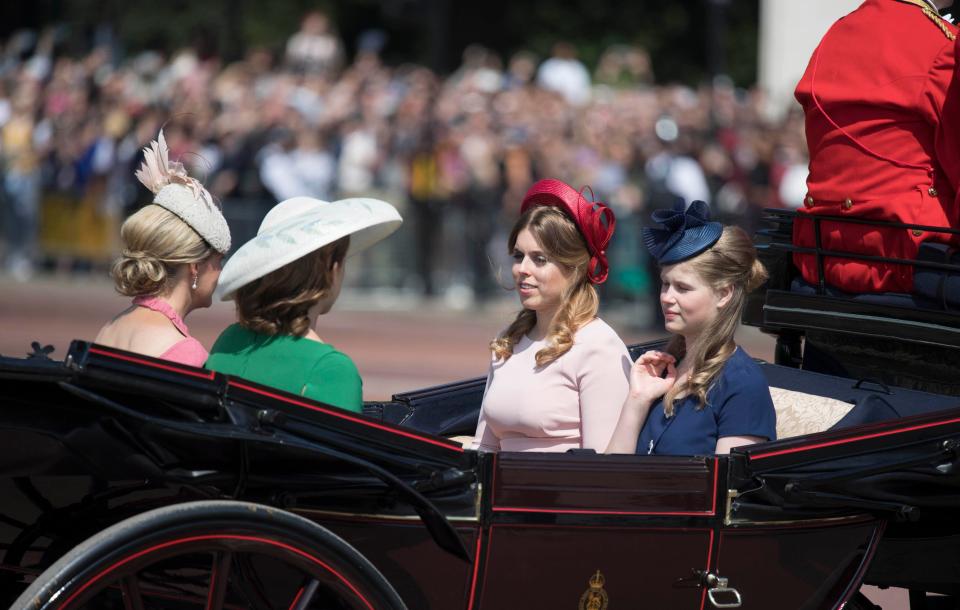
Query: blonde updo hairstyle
(564, 245)
(156, 242)
(279, 303)
(732, 261)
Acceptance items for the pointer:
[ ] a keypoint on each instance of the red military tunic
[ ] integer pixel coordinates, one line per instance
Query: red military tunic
(881, 75)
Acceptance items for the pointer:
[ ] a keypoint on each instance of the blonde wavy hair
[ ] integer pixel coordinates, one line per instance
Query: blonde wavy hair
(279, 303)
(732, 261)
(564, 245)
(155, 243)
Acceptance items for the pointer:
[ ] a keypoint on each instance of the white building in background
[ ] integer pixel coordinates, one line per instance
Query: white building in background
(789, 32)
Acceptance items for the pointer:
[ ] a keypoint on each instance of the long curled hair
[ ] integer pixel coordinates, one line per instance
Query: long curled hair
(732, 261)
(156, 242)
(564, 245)
(279, 303)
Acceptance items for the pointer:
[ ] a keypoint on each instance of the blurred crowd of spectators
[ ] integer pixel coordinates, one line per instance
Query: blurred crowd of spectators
(454, 152)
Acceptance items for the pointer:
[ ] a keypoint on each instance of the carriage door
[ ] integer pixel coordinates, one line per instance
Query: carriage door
(596, 531)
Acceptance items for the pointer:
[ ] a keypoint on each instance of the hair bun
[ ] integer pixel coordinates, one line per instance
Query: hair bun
(756, 276)
(138, 273)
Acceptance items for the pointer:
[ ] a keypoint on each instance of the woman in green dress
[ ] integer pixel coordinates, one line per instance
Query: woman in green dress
(282, 281)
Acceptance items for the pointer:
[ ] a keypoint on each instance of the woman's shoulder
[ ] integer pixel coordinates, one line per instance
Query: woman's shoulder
(741, 361)
(596, 343)
(187, 351)
(140, 330)
(743, 372)
(328, 358)
(596, 330)
(598, 334)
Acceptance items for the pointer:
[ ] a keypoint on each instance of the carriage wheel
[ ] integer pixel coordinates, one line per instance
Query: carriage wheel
(216, 555)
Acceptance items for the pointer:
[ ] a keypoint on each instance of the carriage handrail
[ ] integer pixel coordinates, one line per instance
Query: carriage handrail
(863, 221)
(868, 257)
(776, 215)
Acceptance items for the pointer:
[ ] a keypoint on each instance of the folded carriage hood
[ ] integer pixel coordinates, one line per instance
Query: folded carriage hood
(905, 469)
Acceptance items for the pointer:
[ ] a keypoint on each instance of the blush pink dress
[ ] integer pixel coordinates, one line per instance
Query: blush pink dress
(186, 351)
(573, 402)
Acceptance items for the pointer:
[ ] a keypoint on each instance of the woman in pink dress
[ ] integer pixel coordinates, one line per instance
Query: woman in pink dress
(558, 376)
(170, 263)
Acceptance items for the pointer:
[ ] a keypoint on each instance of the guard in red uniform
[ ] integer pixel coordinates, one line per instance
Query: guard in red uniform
(883, 129)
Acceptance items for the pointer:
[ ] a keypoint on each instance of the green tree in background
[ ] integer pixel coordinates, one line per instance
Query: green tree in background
(678, 35)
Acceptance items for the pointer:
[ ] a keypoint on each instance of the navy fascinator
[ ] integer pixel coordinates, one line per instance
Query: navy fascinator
(687, 231)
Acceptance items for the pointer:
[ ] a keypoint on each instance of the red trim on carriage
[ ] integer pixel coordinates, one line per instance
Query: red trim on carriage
(703, 593)
(335, 412)
(716, 475)
(579, 511)
(844, 441)
(476, 570)
(192, 372)
(189, 539)
(293, 604)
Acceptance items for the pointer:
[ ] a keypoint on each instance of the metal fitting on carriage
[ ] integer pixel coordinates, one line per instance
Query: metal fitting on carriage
(268, 418)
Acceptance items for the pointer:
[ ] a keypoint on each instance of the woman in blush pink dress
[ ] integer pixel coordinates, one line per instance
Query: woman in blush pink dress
(170, 263)
(558, 376)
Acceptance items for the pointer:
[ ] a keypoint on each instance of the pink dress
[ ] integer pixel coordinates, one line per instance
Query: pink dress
(573, 402)
(186, 351)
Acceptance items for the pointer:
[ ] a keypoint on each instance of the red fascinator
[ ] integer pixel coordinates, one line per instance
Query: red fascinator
(594, 219)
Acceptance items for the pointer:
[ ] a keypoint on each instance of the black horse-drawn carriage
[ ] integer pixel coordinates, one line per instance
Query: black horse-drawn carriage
(130, 482)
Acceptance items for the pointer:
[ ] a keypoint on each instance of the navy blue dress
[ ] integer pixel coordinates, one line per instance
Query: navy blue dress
(738, 404)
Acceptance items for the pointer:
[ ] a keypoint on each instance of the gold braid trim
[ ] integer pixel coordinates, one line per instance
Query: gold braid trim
(934, 17)
(940, 23)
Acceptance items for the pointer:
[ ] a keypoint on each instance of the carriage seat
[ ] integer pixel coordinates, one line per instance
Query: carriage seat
(799, 413)
(840, 402)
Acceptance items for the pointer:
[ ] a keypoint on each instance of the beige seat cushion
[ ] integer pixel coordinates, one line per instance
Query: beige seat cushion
(799, 413)
(463, 440)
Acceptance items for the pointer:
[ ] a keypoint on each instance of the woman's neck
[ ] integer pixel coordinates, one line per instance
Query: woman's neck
(691, 345)
(312, 333)
(180, 300)
(544, 322)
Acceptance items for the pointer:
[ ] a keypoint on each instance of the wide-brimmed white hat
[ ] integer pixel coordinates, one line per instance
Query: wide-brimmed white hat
(298, 226)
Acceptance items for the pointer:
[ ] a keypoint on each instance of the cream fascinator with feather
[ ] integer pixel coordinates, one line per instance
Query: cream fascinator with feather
(176, 191)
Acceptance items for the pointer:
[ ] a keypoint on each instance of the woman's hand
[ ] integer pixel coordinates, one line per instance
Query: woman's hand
(647, 379)
(647, 383)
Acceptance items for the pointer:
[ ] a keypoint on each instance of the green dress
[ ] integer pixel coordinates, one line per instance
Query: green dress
(299, 366)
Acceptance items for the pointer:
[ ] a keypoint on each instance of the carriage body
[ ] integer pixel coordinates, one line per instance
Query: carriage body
(105, 437)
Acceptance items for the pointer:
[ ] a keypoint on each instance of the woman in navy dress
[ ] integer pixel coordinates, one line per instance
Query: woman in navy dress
(703, 395)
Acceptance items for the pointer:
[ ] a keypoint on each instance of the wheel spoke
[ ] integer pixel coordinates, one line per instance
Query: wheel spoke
(130, 588)
(219, 577)
(251, 584)
(305, 595)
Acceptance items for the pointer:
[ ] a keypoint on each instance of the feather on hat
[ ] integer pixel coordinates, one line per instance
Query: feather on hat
(177, 192)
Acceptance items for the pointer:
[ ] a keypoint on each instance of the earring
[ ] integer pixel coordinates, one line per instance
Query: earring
(194, 285)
